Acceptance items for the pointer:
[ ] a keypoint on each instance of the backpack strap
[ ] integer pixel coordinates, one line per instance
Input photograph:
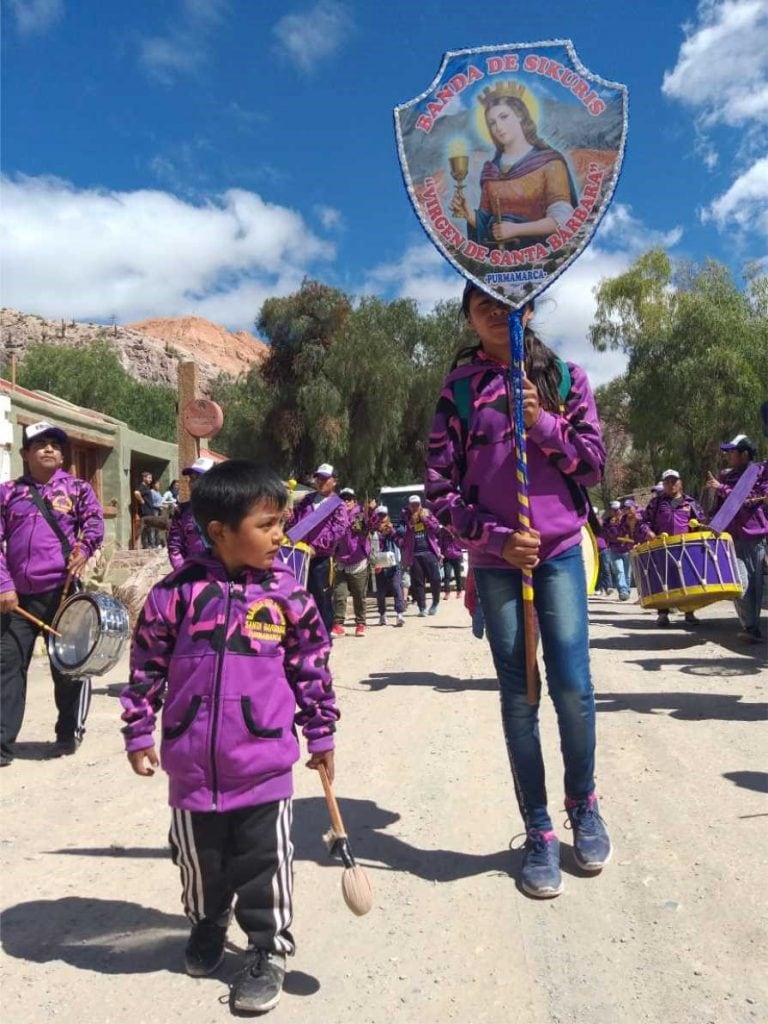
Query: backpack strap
(47, 513)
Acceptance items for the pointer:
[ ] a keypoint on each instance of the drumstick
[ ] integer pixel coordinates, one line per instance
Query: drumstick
(70, 577)
(38, 622)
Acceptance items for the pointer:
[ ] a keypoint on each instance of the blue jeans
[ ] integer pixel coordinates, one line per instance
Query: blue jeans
(620, 563)
(605, 580)
(560, 598)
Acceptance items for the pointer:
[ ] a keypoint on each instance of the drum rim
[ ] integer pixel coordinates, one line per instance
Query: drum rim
(73, 666)
(673, 539)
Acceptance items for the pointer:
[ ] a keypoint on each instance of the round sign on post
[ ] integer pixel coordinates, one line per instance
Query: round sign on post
(202, 418)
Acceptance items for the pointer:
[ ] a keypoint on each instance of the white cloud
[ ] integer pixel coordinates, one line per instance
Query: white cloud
(745, 203)
(314, 34)
(87, 254)
(330, 218)
(565, 311)
(722, 67)
(184, 47)
(34, 16)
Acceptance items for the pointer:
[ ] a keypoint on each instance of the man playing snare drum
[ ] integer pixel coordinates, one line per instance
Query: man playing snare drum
(673, 512)
(50, 525)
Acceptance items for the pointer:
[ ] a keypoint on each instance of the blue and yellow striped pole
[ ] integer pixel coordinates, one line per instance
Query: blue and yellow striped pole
(517, 374)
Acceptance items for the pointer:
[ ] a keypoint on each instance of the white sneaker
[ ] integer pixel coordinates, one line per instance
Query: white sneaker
(400, 620)
(382, 620)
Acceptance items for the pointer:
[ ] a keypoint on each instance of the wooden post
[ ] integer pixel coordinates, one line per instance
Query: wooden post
(188, 446)
(14, 361)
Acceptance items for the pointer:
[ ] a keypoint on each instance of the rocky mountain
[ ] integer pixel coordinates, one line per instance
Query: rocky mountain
(150, 350)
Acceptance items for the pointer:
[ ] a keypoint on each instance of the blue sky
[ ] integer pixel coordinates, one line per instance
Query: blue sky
(197, 156)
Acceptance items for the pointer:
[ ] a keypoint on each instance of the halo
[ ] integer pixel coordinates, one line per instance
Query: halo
(518, 90)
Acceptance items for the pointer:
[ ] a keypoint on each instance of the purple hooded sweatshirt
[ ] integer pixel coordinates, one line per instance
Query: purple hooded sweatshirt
(230, 660)
(471, 480)
(751, 521)
(449, 545)
(664, 514)
(31, 558)
(324, 538)
(407, 531)
(355, 546)
(184, 536)
(617, 533)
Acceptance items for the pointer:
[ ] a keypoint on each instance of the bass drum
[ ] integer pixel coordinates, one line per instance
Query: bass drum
(591, 557)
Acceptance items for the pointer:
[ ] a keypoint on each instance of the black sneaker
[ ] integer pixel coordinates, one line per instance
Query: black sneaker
(540, 876)
(257, 987)
(662, 620)
(690, 617)
(205, 949)
(65, 746)
(591, 842)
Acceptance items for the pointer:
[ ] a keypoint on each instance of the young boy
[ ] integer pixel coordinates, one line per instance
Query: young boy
(230, 643)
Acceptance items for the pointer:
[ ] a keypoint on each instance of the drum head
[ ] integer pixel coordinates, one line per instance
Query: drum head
(79, 624)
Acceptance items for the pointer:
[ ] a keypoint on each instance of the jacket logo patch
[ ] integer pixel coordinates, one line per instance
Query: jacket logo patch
(61, 503)
(265, 621)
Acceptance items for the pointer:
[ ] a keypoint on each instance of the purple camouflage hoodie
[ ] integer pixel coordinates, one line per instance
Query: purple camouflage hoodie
(229, 661)
(471, 464)
(407, 531)
(355, 546)
(617, 534)
(449, 545)
(184, 536)
(325, 537)
(31, 559)
(667, 515)
(751, 521)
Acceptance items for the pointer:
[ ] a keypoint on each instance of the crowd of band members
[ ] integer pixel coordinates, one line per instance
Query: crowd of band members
(672, 512)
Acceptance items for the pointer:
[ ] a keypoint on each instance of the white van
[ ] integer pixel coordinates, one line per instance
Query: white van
(396, 498)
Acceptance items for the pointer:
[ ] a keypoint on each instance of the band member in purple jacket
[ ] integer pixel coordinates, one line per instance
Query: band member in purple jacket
(421, 552)
(352, 565)
(471, 474)
(324, 538)
(619, 546)
(672, 512)
(229, 646)
(50, 525)
(452, 561)
(184, 537)
(749, 529)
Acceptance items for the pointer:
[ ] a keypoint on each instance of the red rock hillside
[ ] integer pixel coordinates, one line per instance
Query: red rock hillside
(203, 340)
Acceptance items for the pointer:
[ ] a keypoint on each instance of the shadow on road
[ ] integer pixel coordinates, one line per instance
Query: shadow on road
(714, 667)
(687, 707)
(440, 684)
(749, 780)
(115, 937)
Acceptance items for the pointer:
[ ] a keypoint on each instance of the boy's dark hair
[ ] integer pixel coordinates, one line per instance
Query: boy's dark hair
(228, 492)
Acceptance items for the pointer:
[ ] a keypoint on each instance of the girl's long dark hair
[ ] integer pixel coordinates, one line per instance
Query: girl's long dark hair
(542, 366)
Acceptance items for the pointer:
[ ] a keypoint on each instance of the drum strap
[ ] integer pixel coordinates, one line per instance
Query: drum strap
(47, 513)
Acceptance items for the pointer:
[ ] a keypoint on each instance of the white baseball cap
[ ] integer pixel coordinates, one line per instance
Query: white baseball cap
(669, 473)
(347, 492)
(199, 466)
(615, 504)
(382, 510)
(325, 469)
(414, 500)
(43, 429)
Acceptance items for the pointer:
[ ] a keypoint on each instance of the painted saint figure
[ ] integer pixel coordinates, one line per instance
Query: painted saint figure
(526, 190)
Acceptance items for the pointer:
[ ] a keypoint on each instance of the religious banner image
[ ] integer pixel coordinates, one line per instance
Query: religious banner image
(510, 159)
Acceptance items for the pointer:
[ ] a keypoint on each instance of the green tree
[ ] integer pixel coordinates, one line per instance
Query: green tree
(92, 377)
(698, 357)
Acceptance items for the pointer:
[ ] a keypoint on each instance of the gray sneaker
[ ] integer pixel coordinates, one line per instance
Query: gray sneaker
(540, 876)
(591, 842)
(258, 985)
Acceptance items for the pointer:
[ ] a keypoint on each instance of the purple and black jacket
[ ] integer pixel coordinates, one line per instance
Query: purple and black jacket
(324, 538)
(31, 558)
(184, 536)
(471, 470)
(229, 661)
(751, 521)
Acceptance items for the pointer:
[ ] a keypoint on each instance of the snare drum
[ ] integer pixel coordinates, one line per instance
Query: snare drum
(296, 557)
(94, 631)
(686, 570)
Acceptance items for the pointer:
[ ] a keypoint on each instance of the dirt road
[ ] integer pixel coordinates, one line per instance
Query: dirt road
(673, 932)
